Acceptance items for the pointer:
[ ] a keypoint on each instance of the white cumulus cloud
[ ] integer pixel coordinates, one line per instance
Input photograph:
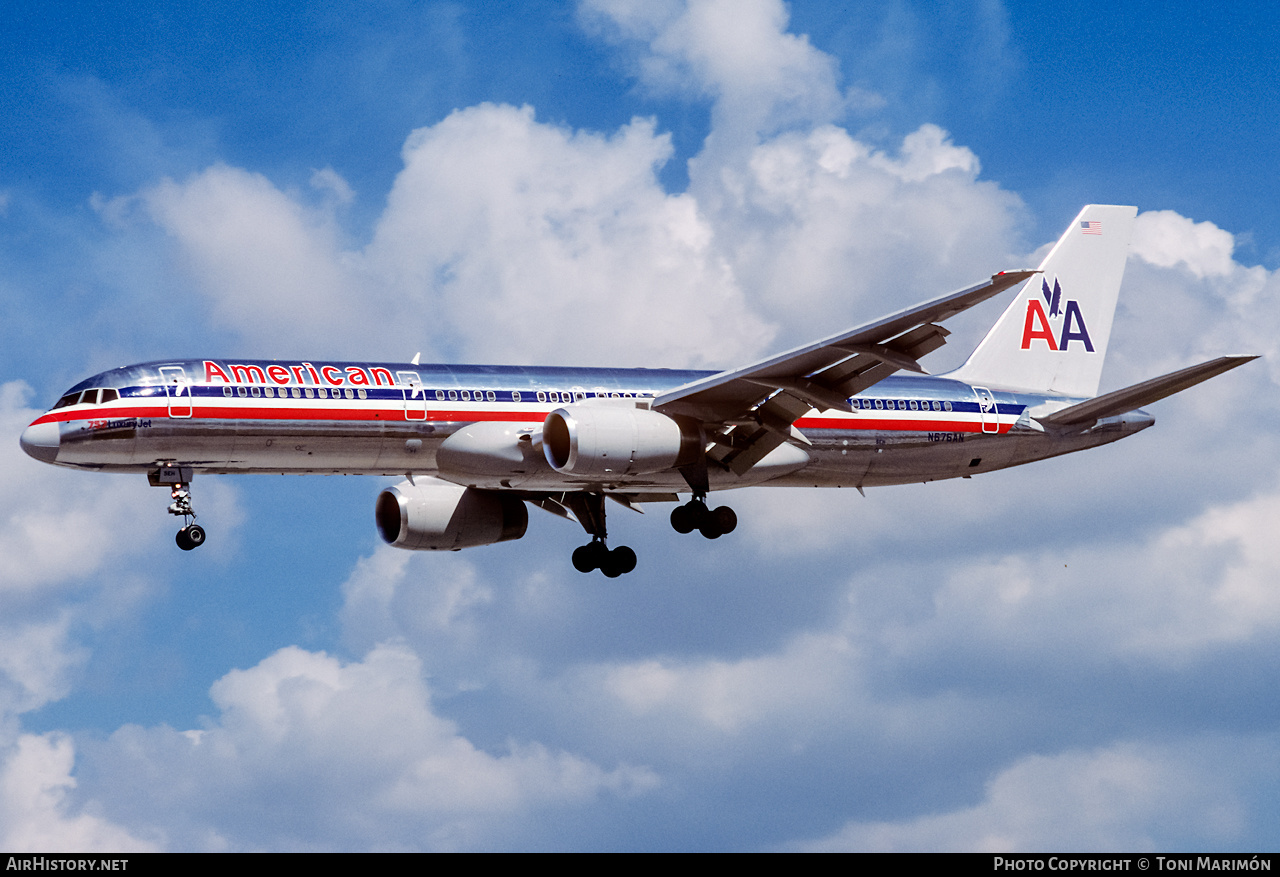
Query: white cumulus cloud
(1125, 797)
(309, 752)
(36, 815)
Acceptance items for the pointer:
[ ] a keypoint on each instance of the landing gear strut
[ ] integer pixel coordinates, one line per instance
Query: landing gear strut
(178, 480)
(596, 554)
(711, 523)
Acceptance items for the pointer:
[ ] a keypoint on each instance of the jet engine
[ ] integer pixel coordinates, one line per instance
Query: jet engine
(433, 515)
(609, 441)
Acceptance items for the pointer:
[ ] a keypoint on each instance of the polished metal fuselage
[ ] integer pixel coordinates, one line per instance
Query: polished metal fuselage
(229, 416)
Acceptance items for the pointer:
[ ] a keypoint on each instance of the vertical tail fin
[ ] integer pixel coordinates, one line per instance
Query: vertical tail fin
(1053, 338)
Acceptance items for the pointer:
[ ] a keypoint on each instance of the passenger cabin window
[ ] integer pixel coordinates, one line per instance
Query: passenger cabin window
(515, 395)
(363, 393)
(439, 395)
(491, 396)
(226, 391)
(542, 396)
(946, 405)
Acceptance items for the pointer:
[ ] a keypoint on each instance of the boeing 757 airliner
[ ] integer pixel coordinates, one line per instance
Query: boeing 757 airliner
(475, 444)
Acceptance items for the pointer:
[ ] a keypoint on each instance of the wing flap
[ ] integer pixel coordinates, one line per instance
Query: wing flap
(1138, 395)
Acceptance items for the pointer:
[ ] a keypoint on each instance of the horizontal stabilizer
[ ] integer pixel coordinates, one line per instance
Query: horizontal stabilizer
(1145, 393)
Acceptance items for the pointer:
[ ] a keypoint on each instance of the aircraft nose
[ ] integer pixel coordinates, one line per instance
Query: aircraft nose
(41, 440)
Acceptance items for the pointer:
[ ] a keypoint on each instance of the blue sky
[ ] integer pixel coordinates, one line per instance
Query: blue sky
(1079, 655)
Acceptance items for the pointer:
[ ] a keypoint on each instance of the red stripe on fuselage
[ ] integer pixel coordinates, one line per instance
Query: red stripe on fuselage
(320, 411)
(894, 424)
(69, 414)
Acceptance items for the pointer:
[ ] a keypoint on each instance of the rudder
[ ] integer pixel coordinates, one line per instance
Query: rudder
(1053, 338)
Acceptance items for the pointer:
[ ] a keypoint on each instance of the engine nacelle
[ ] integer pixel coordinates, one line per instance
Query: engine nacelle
(434, 515)
(608, 441)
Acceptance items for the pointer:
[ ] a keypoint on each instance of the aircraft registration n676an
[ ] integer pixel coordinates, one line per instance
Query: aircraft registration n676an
(477, 443)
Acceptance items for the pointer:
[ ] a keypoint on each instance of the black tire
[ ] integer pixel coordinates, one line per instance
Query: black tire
(183, 541)
(710, 529)
(682, 519)
(623, 559)
(599, 553)
(726, 519)
(195, 535)
(584, 559)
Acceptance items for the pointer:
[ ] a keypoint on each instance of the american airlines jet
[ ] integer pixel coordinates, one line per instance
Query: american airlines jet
(476, 444)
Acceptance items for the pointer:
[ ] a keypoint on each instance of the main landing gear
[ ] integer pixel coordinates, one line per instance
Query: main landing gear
(596, 554)
(694, 515)
(192, 534)
(711, 523)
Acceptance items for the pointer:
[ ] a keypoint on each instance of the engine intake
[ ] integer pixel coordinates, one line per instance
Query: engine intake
(434, 515)
(609, 441)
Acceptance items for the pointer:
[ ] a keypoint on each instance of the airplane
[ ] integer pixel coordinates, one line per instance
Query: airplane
(477, 444)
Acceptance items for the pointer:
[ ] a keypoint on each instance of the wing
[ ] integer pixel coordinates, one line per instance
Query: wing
(748, 412)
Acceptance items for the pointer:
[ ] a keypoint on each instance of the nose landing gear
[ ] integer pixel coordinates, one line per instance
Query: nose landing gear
(178, 479)
(192, 534)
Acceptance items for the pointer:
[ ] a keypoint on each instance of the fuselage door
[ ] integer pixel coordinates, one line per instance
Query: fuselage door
(987, 408)
(177, 390)
(415, 398)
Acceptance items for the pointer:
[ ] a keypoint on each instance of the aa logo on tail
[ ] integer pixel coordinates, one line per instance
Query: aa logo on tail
(1039, 325)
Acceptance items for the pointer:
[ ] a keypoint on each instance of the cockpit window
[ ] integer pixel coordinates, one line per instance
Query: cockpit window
(109, 395)
(69, 399)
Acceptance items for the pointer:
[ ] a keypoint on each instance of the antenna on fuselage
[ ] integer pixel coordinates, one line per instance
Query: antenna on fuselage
(415, 359)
